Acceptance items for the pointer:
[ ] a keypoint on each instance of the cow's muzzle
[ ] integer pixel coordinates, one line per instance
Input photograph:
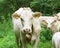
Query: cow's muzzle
(27, 30)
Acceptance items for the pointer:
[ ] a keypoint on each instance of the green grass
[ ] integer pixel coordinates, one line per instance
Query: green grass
(7, 38)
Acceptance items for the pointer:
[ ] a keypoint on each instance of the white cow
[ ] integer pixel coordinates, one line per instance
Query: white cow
(24, 27)
(50, 22)
(56, 40)
(47, 20)
(22, 23)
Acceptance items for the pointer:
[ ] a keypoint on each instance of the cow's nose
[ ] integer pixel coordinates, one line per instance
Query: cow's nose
(26, 30)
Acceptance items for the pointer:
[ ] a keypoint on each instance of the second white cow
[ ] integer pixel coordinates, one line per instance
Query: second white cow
(47, 20)
(50, 22)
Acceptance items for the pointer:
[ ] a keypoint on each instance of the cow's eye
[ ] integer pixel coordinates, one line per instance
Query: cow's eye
(22, 21)
(54, 22)
(44, 21)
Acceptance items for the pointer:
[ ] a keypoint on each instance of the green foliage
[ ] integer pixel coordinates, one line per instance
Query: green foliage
(46, 6)
(45, 35)
(46, 44)
(7, 38)
(7, 7)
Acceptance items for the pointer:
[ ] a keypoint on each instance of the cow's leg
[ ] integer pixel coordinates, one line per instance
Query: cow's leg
(34, 41)
(23, 43)
(20, 44)
(17, 38)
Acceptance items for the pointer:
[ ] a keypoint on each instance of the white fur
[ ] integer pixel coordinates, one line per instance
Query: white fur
(56, 40)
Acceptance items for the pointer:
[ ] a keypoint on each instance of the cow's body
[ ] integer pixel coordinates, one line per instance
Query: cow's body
(23, 22)
(56, 40)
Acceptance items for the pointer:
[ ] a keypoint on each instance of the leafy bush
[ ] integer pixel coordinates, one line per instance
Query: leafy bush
(45, 6)
(45, 35)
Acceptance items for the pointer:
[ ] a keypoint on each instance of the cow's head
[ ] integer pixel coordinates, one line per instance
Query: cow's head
(48, 21)
(57, 16)
(26, 20)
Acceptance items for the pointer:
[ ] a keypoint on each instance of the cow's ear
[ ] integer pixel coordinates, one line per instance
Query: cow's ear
(37, 14)
(55, 16)
(43, 21)
(15, 15)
